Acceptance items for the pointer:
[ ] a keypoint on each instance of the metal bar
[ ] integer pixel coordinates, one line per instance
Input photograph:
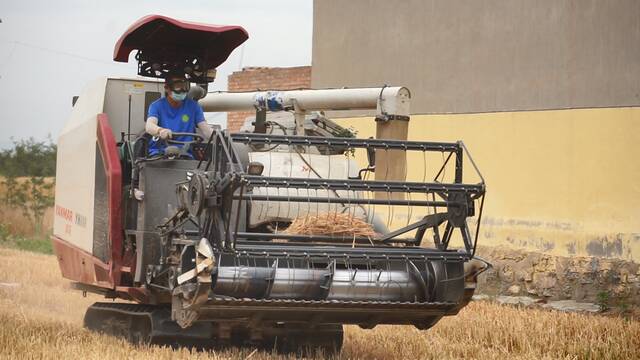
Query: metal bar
(448, 230)
(427, 221)
(229, 157)
(227, 222)
(336, 200)
(420, 235)
(349, 243)
(459, 160)
(444, 164)
(466, 237)
(222, 148)
(436, 238)
(208, 145)
(263, 248)
(236, 162)
(472, 162)
(214, 152)
(424, 222)
(238, 211)
(304, 311)
(261, 121)
(358, 185)
(249, 138)
(475, 242)
(265, 236)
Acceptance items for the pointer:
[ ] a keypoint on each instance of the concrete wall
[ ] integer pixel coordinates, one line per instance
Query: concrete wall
(265, 78)
(477, 56)
(564, 182)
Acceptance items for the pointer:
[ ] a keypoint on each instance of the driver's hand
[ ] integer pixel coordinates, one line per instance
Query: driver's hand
(164, 134)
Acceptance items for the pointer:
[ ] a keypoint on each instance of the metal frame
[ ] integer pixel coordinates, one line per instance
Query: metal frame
(216, 197)
(231, 187)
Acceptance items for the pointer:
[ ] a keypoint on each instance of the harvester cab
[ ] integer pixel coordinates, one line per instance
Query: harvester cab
(278, 234)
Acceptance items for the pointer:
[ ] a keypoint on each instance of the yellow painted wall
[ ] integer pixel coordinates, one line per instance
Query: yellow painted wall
(563, 182)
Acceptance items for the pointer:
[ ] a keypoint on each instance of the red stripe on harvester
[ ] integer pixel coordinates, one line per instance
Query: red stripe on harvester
(113, 171)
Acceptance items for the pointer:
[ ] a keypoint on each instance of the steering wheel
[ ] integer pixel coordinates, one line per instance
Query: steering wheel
(176, 151)
(194, 138)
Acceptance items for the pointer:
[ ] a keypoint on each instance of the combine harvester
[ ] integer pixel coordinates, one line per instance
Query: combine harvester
(201, 249)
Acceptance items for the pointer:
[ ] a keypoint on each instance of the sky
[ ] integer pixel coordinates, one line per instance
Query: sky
(50, 49)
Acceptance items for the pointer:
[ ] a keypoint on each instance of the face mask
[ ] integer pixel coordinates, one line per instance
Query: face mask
(178, 96)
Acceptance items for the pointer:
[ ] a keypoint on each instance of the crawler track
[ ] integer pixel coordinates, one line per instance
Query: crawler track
(147, 324)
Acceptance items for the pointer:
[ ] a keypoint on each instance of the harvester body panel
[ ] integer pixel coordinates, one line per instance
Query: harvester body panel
(75, 170)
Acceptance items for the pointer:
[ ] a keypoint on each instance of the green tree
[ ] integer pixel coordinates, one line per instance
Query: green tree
(40, 199)
(15, 193)
(29, 158)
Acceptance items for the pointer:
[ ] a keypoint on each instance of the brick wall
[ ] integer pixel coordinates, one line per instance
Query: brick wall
(265, 78)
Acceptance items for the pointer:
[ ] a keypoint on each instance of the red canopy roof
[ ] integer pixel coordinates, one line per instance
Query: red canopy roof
(164, 35)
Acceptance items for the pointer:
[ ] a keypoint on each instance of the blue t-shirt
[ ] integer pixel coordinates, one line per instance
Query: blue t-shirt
(182, 119)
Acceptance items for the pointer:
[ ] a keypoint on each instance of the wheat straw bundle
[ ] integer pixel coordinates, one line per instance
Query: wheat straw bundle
(333, 224)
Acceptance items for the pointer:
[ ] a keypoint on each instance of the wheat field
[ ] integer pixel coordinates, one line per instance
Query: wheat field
(41, 317)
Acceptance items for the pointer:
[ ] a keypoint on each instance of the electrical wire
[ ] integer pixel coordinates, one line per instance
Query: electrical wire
(64, 53)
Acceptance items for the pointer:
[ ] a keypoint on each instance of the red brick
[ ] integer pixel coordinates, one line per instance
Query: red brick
(265, 78)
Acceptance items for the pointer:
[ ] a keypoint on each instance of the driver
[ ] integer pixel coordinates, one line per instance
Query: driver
(174, 113)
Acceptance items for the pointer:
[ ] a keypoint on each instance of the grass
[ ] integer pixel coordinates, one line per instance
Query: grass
(40, 244)
(14, 220)
(19, 232)
(41, 317)
(15, 223)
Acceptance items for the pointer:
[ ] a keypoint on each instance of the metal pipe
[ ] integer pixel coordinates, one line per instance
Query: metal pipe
(264, 249)
(359, 185)
(249, 138)
(312, 238)
(343, 200)
(387, 100)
